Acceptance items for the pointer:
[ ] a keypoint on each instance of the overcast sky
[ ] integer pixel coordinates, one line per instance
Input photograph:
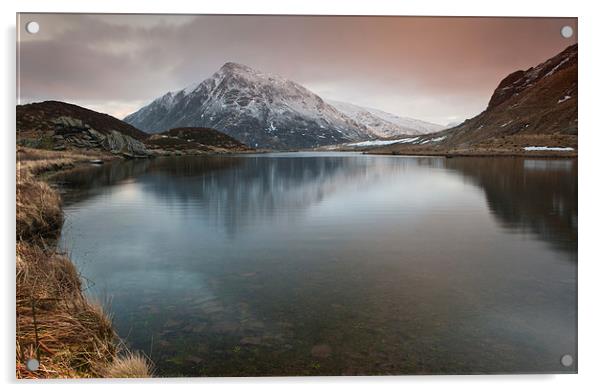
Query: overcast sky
(436, 69)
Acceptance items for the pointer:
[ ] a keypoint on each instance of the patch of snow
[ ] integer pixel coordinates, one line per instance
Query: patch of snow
(538, 148)
(565, 98)
(409, 140)
(370, 143)
(190, 88)
(558, 66)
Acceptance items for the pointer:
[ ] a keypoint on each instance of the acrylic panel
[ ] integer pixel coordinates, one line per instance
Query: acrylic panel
(271, 195)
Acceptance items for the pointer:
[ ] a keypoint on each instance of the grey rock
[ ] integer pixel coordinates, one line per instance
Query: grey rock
(119, 143)
(69, 122)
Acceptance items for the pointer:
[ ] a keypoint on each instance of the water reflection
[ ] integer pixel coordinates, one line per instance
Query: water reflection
(332, 264)
(235, 190)
(536, 195)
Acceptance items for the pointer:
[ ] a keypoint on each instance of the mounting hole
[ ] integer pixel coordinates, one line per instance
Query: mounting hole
(566, 31)
(32, 364)
(566, 360)
(32, 27)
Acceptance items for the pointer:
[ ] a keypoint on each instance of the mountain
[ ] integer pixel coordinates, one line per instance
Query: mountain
(256, 108)
(385, 125)
(529, 111)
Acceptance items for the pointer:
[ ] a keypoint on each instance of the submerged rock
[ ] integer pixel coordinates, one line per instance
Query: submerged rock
(321, 351)
(194, 359)
(251, 340)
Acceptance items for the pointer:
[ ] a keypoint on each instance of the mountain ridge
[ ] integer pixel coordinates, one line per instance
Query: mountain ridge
(383, 124)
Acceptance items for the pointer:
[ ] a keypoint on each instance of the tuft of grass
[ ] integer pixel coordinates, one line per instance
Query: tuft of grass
(39, 214)
(131, 365)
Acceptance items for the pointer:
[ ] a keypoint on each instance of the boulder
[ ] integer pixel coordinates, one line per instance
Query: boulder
(119, 143)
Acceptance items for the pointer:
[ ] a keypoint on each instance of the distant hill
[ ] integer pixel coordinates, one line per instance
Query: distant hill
(533, 110)
(194, 138)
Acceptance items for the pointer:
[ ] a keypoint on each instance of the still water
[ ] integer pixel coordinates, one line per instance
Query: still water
(332, 263)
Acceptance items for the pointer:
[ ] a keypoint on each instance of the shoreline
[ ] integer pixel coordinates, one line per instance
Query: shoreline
(56, 323)
(479, 154)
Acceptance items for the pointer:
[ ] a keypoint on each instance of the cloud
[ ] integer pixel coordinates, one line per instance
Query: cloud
(429, 68)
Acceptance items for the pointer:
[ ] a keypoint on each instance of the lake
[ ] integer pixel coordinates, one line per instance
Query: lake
(332, 263)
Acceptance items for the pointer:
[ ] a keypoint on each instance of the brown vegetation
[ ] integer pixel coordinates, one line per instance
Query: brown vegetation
(56, 323)
(199, 139)
(39, 117)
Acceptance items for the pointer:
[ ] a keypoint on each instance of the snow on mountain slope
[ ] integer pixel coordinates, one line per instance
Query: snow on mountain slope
(385, 125)
(256, 108)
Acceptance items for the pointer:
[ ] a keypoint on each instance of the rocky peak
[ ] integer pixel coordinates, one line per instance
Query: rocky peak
(236, 67)
(519, 81)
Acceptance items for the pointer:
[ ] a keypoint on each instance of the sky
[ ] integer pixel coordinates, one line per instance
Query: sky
(441, 70)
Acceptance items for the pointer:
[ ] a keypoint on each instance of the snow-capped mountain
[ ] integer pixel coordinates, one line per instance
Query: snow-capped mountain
(256, 108)
(260, 110)
(385, 125)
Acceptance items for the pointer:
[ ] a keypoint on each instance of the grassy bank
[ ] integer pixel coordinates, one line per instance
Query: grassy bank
(56, 323)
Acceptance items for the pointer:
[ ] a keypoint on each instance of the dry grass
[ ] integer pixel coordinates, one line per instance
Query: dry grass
(33, 161)
(39, 214)
(56, 323)
(131, 365)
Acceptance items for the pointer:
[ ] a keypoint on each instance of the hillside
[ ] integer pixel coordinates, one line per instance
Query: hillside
(530, 112)
(41, 116)
(54, 125)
